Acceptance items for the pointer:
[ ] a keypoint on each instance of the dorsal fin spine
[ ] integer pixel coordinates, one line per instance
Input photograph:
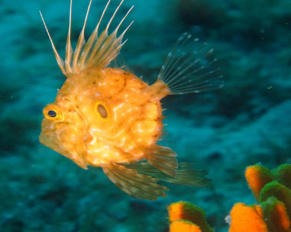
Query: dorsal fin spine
(81, 40)
(69, 49)
(92, 38)
(58, 58)
(97, 52)
(111, 39)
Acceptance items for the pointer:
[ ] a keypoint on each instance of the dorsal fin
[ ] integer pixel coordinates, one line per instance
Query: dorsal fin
(98, 51)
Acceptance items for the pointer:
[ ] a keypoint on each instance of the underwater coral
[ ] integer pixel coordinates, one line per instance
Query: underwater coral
(272, 213)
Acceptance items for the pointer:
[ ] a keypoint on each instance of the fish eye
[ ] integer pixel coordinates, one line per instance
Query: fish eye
(101, 110)
(53, 113)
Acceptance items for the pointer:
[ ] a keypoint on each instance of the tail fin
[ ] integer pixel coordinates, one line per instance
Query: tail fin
(190, 67)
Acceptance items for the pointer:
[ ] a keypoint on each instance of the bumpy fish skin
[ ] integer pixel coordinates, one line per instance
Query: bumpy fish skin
(107, 117)
(130, 128)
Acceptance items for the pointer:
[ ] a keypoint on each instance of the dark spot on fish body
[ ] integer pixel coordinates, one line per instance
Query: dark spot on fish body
(124, 85)
(126, 73)
(117, 86)
(102, 111)
(157, 119)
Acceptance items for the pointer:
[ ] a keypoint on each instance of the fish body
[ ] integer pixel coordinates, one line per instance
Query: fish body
(107, 117)
(112, 115)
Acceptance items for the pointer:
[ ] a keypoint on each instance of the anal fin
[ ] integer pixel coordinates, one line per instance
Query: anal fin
(186, 174)
(163, 158)
(139, 186)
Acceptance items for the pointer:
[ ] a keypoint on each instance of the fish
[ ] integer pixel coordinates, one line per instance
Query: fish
(107, 117)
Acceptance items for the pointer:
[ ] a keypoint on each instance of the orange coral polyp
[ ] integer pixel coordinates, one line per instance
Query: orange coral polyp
(276, 215)
(185, 211)
(272, 214)
(184, 226)
(176, 211)
(281, 217)
(247, 219)
(257, 177)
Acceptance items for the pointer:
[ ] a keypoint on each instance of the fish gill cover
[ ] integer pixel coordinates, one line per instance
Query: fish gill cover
(223, 131)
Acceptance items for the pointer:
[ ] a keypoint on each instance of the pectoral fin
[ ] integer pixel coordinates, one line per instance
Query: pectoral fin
(139, 186)
(163, 158)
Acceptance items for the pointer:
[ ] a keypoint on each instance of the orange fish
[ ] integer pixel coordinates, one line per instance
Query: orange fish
(107, 117)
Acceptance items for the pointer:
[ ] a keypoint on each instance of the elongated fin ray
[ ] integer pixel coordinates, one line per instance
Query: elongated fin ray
(69, 49)
(104, 34)
(93, 37)
(107, 46)
(190, 67)
(58, 58)
(81, 40)
(136, 185)
(97, 52)
(186, 174)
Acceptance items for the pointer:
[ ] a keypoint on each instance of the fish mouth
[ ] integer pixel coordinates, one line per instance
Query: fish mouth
(47, 135)
(44, 137)
(76, 152)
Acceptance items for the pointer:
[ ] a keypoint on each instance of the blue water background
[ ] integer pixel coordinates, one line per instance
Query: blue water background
(246, 122)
